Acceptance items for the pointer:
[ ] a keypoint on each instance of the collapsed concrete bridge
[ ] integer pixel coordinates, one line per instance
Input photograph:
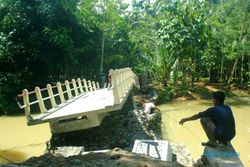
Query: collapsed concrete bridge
(78, 104)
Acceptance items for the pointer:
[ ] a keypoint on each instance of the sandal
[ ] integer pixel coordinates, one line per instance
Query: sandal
(224, 143)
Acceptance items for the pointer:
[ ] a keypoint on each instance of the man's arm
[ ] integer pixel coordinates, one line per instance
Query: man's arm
(192, 118)
(157, 109)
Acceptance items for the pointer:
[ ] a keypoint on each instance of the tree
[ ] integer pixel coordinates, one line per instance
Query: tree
(229, 22)
(165, 30)
(109, 18)
(40, 42)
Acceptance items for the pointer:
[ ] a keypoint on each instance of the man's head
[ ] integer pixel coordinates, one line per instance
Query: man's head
(218, 97)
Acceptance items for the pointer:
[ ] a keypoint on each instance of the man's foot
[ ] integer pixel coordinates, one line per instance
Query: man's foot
(209, 144)
(224, 143)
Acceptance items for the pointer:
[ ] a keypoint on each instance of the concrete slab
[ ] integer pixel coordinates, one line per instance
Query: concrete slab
(68, 151)
(91, 101)
(92, 119)
(158, 149)
(222, 156)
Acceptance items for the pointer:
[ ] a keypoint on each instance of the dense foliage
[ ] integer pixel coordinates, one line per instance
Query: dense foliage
(176, 41)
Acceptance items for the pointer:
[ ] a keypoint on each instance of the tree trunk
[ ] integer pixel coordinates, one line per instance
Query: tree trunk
(232, 72)
(221, 71)
(66, 68)
(209, 73)
(193, 72)
(165, 76)
(240, 42)
(102, 55)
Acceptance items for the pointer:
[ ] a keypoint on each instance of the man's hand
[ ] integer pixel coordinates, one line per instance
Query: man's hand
(192, 118)
(157, 109)
(182, 121)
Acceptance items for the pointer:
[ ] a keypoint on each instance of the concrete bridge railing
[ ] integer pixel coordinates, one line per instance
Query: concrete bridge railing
(121, 81)
(65, 91)
(64, 103)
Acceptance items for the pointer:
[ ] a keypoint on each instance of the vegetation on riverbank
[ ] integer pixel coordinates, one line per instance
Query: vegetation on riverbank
(200, 90)
(175, 41)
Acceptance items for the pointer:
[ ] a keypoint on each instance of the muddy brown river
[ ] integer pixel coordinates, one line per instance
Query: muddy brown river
(19, 142)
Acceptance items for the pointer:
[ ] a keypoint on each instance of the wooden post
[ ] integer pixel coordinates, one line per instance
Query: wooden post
(90, 86)
(75, 87)
(85, 85)
(115, 87)
(97, 85)
(80, 85)
(68, 89)
(26, 102)
(51, 95)
(40, 100)
(93, 85)
(59, 89)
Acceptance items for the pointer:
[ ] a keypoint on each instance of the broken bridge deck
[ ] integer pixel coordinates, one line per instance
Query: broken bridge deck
(86, 105)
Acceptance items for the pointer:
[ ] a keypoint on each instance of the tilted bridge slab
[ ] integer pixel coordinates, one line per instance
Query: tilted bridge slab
(80, 104)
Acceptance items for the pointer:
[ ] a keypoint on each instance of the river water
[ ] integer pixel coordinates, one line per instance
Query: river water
(19, 142)
(191, 133)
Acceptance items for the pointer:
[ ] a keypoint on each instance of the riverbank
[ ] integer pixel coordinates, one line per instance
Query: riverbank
(200, 90)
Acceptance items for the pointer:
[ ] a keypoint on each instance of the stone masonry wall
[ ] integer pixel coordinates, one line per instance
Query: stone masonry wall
(118, 129)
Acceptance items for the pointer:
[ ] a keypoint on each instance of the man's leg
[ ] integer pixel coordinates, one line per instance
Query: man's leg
(208, 126)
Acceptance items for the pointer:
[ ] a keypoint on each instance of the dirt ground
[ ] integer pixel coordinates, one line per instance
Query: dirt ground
(113, 158)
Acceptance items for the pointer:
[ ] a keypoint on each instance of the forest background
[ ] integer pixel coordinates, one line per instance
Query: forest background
(176, 42)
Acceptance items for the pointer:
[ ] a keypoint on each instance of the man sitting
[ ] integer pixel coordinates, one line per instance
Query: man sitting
(217, 122)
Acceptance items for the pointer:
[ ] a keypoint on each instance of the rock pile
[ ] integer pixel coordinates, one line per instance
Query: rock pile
(118, 129)
(182, 154)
